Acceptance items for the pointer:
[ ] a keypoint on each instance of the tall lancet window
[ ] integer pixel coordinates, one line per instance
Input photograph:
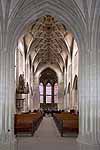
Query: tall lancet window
(41, 92)
(56, 93)
(48, 93)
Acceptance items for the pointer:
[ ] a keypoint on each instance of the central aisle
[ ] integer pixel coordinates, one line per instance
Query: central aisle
(47, 129)
(46, 137)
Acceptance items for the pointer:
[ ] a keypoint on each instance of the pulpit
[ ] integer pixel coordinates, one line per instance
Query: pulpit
(20, 104)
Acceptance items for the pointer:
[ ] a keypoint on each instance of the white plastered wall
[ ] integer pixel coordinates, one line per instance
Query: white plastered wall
(72, 71)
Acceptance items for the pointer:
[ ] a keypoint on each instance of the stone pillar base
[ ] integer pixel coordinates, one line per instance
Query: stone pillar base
(88, 143)
(8, 141)
(8, 146)
(88, 147)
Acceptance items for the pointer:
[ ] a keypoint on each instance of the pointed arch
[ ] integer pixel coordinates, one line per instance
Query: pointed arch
(75, 82)
(68, 89)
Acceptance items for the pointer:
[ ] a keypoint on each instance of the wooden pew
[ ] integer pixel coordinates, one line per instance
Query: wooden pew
(66, 122)
(27, 123)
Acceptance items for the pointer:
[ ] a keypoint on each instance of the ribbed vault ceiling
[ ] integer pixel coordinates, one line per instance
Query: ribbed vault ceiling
(46, 43)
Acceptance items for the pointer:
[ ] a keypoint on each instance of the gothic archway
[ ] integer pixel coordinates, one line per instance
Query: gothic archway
(68, 97)
(75, 102)
(74, 20)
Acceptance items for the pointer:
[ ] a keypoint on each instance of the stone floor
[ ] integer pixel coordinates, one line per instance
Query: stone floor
(47, 137)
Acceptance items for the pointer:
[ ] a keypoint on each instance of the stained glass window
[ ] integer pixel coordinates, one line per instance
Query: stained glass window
(56, 93)
(41, 92)
(48, 93)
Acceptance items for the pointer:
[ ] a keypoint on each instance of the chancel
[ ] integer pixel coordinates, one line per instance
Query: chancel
(50, 74)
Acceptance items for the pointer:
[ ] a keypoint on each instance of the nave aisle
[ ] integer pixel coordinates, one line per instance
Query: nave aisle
(47, 137)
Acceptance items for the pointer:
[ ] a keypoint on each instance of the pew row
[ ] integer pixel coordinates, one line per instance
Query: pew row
(27, 123)
(66, 123)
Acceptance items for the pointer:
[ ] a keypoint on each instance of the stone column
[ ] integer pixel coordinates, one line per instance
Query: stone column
(65, 89)
(69, 100)
(74, 99)
(89, 100)
(36, 99)
(31, 90)
(61, 95)
(7, 100)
